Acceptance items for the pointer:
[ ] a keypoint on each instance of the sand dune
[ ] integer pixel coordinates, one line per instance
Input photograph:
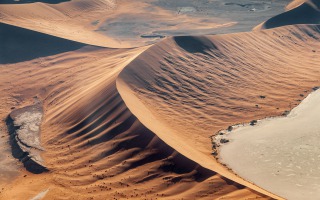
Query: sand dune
(179, 85)
(126, 24)
(294, 4)
(186, 102)
(136, 123)
(72, 20)
(94, 146)
(18, 44)
(306, 12)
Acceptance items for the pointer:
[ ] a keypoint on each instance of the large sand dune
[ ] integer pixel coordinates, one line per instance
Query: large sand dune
(136, 122)
(300, 12)
(125, 24)
(94, 146)
(187, 85)
(73, 20)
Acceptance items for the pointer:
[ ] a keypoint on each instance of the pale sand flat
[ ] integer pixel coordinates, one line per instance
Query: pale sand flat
(280, 155)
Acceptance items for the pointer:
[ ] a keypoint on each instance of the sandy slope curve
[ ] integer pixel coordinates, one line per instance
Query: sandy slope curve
(191, 87)
(294, 4)
(300, 12)
(98, 142)
(71, 20)
(95, 147)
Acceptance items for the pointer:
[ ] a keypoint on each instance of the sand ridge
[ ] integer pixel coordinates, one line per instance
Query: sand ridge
(99, 147)
(298, 12)
(146, 132)
(82, 108)
(192, 119)
(126, 24)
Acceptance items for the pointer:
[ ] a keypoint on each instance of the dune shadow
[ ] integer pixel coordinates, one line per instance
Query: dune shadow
(31, 1)
(19, 44)
(296, 16)
(195, 44)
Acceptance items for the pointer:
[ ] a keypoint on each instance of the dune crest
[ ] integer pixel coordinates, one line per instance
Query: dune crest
(184, 96)
(65, 20)
(124, 122)
(96, 148)
(299, 12)
(294, 4)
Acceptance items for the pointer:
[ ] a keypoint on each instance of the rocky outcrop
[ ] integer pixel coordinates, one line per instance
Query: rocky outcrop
(24, 129)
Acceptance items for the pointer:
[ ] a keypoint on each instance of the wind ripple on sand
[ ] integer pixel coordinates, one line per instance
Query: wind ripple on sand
(95, 147)
(188, 88)
(100, 144)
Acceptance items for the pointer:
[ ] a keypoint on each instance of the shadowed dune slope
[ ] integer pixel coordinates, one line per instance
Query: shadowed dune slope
(307, 12)
(186, 94)
(72, 20)
(19, 44)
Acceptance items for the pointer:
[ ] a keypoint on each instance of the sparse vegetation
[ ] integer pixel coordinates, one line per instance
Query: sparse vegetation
(286, 113)
(253, 122)
(223, 140)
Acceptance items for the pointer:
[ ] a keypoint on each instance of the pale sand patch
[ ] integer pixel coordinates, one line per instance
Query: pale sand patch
(280, 155)
(40, 195)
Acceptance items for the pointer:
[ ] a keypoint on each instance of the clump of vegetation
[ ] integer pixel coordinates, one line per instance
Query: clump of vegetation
(223, 140)
(253, 122)
(286, 113)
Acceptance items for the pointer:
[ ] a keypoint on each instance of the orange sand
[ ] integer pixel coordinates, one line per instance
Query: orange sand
(136, 123)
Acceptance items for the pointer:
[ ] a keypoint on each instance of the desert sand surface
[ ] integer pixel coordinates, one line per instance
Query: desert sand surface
(124, 24)
(131, 93)
(279, 154)
(93, 145)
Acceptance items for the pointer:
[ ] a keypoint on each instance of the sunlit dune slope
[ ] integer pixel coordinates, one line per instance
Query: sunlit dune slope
(106, 151)
(188, 88)
(300, 12)
(294, 4)
(94, 146)
(146, 132)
